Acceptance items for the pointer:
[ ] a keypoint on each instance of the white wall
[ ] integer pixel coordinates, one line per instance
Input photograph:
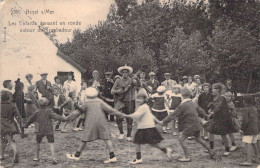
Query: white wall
(27, 52)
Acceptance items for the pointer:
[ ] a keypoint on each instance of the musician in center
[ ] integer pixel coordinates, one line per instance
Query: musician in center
(124, 93)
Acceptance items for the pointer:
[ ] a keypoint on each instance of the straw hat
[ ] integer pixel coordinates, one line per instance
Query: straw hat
(196, 77)
(120, 69)
(152, 74)
(91, 92)
(167, 73)
(95, 72)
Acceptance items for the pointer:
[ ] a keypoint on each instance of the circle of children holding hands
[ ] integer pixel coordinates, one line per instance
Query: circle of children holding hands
(196, 110)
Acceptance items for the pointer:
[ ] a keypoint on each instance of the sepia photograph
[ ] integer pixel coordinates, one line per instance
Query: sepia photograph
(130, 83)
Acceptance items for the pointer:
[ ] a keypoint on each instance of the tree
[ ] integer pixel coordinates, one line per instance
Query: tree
(234, 50)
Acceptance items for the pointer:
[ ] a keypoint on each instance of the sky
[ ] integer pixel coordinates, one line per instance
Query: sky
(87, 12)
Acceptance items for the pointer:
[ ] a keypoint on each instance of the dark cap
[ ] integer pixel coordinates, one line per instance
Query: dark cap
(217, 86)
(206, 84)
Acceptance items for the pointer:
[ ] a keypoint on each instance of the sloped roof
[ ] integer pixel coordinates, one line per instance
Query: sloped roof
(70, 61)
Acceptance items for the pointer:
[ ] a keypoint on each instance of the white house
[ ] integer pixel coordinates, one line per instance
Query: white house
(30, 52)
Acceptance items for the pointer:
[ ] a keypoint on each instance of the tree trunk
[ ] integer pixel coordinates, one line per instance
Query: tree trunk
(250, 81)
(158, 61)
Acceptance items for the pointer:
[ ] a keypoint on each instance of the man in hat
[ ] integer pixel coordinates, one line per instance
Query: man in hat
(152, 82)
(43, 86)
(124, 92)
(168, 83)
(106, 92)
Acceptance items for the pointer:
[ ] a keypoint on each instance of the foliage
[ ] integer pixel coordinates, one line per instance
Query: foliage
(219, 39)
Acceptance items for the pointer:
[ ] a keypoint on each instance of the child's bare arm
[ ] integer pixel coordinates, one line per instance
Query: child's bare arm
(105, 107)
(73, 115)
(157, 121)
(137, 114)
(57, 117)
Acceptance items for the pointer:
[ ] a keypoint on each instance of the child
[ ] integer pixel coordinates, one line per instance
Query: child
(81, 99)
(96, 123)
(44, 116)
(72, 104)
(204, 100)
(250, 130)
(228, 96)
(173, 102)
(189, 123)
(191, 86)
(146, 131)
(158, 107)
(57, 100)
(8, 126)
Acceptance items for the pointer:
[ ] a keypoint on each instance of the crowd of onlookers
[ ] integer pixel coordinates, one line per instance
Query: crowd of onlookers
(196, 110)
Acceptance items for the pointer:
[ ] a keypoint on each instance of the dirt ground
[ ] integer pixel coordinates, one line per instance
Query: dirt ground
(96, 153)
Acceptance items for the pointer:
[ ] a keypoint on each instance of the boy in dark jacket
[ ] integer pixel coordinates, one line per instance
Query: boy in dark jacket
(250, 130)
(189, 123)
(44, 116)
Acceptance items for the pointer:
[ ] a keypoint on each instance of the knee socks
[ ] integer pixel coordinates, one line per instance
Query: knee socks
(111, 155)
(77, 154)
(138, 155)
(211, 144)
(81, 120)
(227, 149)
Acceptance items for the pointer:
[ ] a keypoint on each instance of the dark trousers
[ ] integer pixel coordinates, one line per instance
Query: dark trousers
(128, 109)
(111, 116)
(59, 112)
(81, 121)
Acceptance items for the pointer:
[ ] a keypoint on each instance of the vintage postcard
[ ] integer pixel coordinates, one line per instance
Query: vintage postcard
(130, 83)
